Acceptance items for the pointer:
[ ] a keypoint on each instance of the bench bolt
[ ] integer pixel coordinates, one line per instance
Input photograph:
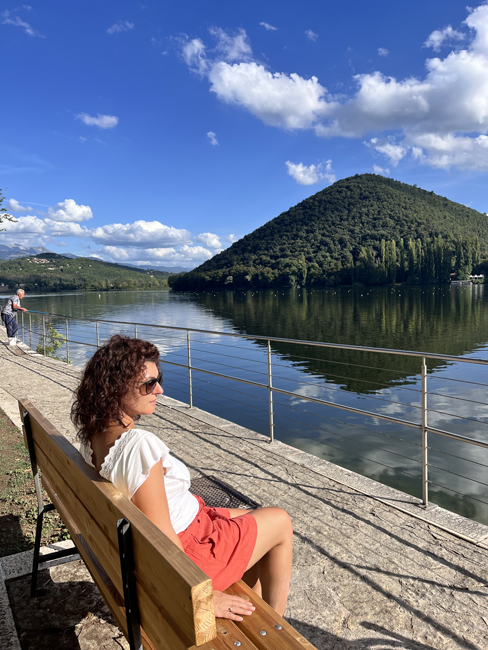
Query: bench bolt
(262, 632)
(279, 627)
(237, 643)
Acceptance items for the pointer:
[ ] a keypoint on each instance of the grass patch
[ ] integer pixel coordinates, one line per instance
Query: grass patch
(18, 501)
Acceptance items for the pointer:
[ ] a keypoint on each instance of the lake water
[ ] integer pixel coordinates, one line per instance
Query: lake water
(446, 320)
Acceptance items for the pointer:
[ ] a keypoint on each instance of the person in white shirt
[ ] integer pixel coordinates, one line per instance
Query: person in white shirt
(120, 383)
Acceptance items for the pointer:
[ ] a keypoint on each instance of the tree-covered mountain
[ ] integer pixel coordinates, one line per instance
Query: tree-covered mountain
(366, 228)
(52, 272)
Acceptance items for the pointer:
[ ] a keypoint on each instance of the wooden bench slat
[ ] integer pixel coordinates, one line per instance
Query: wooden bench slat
(265, 618)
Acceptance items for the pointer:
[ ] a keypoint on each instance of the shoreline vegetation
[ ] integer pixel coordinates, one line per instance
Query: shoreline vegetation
(50, 272)
(366, 230)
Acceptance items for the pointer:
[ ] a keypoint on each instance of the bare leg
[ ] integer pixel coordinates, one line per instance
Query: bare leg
(251, 578)
(272, 557)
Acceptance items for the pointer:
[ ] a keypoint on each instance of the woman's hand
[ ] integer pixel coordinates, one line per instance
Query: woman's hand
(233, 607)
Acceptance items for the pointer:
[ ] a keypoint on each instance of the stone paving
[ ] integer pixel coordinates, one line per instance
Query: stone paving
(371, 569)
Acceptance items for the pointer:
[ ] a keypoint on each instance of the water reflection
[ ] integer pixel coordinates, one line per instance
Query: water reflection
(446, 320)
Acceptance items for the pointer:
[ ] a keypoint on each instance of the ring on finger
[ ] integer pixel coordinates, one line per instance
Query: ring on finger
(230, 610)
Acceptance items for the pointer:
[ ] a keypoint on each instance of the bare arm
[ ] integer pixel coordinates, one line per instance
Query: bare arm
(151, 499)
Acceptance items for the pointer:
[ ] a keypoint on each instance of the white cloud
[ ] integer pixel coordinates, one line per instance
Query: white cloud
(9, 19)
(120, 26)
(286, 101)
(441, 118)
(395, 152)
(70, 211)
(65, 229)
(183, 255)
(311, 35)
(381, 170)
(30, 225)
(194, 55)
(312, 174)
(278, 99)
(209, 240)
(439, 37)
(231, 238)
(268, 27)
(102, 121)
(14, 206)
(140, 233)
(213, 138)
(232, 47)
(382, 51)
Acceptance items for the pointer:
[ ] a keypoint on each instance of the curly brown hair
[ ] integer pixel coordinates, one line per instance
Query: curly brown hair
(111, 373)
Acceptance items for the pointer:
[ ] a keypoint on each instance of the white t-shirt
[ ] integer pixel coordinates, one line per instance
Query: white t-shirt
(128, 463)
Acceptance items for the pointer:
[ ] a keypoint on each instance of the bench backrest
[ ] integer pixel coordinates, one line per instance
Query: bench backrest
(175, 596)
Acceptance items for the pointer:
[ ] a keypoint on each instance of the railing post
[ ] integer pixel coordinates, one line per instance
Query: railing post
(44, 334)
(425, 463)
(270, 396)
(67, 343)
(30, 331)
(190, 385)
(96, 325)
(135, 331)
(22, 314)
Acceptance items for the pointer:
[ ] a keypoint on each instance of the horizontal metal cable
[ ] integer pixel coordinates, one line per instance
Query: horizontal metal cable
(370, 460)
(342, 435)
(340, 390)
(446, 453)
(461, 381)
(225, 365)
(347, 363)
(263, 399)
(442, 469)
(251, 348)
(230, 356)
(453, 415)
(232, 410)
(364, 381)
(465, 496)
(234, 400)
(349, 424)
(463, 399)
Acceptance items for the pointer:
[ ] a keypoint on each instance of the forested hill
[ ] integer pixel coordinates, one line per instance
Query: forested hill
(52, 272)
(366, 228)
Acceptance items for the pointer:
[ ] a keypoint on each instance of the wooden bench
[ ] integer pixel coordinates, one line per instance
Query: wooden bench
(160, 599)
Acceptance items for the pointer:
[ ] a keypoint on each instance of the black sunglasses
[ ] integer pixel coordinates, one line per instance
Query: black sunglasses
(148, 386)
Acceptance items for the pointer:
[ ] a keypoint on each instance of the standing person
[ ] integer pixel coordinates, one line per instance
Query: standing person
(9, 315)
(120, 383)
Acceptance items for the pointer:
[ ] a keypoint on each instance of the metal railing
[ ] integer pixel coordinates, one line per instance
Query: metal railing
(185, 344)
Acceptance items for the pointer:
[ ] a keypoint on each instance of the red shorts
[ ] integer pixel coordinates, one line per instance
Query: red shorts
(219, 545)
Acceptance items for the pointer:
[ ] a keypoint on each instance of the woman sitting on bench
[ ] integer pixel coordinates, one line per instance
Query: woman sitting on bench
(120, 383)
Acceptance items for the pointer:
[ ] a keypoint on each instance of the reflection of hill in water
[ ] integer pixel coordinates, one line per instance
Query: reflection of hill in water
(428, 319)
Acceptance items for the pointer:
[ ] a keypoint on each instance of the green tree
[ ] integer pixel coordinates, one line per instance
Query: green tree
(4, 214)
(54, 340)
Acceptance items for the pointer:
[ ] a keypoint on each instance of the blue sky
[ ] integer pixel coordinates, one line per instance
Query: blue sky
(151, 133)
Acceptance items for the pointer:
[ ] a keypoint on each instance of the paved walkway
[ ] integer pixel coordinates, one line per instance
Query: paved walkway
(371, 570)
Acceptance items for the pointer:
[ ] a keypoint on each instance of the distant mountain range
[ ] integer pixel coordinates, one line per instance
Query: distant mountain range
(13, 252)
